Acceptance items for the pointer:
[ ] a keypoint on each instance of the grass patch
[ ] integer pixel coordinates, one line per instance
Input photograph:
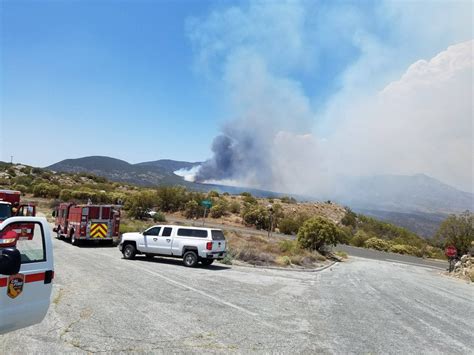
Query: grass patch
(260, 250)
(342, 254)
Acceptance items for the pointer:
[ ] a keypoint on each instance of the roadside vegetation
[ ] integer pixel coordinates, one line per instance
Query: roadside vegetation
(316, 225)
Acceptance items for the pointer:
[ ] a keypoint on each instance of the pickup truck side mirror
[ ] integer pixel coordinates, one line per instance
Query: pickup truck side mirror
(10, 261)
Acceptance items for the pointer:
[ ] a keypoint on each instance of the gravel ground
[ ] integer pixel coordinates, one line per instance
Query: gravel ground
(102, 303)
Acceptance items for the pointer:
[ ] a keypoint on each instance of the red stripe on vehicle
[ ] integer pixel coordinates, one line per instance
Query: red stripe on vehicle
(28, 278)
(34, 277)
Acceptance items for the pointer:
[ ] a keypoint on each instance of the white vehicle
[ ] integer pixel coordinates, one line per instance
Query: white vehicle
(190, 243)
(26, 271)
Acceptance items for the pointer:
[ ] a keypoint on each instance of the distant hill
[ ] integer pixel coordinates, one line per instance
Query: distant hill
(423, 224)
(402, 193)
(119, 170)
(417, 202)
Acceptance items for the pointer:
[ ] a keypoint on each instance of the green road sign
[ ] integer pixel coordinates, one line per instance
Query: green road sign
(206, 203)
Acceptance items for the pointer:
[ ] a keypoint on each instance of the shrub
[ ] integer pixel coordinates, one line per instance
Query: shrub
(21, 188)
(349, 219)
(227, 259)
(404, 249)
(220, 209)
(345, 235)
(234, 207)
(212, 194)
(458, 231)
(359, 239)
(11, 172)
(377, 244)
(46, 190)
(288, 246)
(65, 195)
(288, 225)
(250, 200)
(257, 216)
(171, 199)
(159, 217)
(139, 204)
(342, 254)
(283, 260)
(192, 209)
(287, 199)
(316, 233)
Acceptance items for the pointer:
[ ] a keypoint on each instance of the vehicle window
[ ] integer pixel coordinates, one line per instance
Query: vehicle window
(5, 211)
(30, 241)
(153, 231)
(196, 233)
(166, 232)
(26, 211)
(217, 235)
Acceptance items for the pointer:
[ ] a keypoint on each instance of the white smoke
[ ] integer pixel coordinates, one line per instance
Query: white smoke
(285, 137)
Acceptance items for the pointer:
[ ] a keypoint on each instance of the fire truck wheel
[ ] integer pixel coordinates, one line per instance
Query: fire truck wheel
(58, 235)
(129, 251)
(74, 241)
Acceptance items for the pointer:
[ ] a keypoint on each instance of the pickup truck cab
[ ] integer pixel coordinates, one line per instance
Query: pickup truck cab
(26, 272)
(192, 244)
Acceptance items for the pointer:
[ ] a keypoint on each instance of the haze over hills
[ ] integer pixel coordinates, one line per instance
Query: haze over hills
(169, 165)
(418, 202)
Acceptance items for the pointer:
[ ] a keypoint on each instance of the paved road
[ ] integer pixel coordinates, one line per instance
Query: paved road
(392, 257)
(353, 251)
(102, 303)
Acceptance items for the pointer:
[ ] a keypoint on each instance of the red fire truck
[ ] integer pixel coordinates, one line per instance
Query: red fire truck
(87, 222)
(10, 205)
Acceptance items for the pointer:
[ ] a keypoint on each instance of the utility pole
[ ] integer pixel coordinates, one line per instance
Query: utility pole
(11, 159)
(270, 230)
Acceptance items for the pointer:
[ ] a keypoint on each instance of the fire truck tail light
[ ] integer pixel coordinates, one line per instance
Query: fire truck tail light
(83, 229)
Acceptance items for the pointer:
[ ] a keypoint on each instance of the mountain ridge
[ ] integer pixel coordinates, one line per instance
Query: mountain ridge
(418, 202)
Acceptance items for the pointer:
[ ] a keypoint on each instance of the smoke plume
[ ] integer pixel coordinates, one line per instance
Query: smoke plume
(382, 110)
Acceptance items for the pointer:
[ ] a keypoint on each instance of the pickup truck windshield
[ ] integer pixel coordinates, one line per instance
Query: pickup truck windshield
(5, 211)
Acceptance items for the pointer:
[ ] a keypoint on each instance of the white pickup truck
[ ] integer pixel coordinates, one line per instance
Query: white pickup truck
(26, 271)
(190, 243)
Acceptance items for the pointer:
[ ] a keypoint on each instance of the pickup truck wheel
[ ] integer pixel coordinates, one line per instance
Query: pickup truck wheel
(207, 262)
(129, 251)
(190, 259)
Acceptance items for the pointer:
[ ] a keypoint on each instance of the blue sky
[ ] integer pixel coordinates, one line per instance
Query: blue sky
(108, 78)
(145, 80)
(112, 78)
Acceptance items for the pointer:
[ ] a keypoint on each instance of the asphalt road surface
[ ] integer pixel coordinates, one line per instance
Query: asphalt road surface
(103, 303)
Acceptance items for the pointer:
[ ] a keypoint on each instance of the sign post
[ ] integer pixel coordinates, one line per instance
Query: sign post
(207, 206)
(451, 252)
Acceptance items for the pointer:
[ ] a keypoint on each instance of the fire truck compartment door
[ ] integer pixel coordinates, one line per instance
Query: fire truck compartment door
(25, 297)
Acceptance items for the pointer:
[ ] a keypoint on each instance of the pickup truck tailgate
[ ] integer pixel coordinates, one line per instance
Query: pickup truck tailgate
(218, 241)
